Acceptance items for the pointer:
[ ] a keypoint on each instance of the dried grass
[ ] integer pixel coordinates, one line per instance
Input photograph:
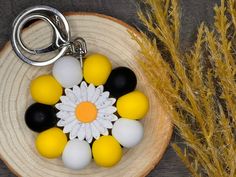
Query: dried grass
(197, 86)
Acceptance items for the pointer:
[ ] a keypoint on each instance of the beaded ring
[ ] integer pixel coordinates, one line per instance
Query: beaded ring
(83, 109)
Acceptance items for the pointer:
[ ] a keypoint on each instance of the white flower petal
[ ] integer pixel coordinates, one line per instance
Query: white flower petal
(108, 110)
(70, 94)
(106, 103)
(77, 92)
(88, 133)
(113, 117)
(105, 133)
(74, 132)
(99, 127)
(95, 95)
(65, 121)
(112, 101)
(83, 88)
(102, 98)
(90, 91)
(68, 127)
(65, 100)
(110, 117)
(100, 88)
(63, 107)
(105, 123)
(61, 123)
(90, 140)
(70, 119)
(63, 115)
(58, 106)
(72, 113)
(95, 131)
(81, 132)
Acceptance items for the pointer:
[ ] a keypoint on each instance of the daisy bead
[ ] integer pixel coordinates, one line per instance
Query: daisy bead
(86, 112)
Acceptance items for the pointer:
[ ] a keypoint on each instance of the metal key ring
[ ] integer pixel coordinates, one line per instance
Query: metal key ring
(60, 28)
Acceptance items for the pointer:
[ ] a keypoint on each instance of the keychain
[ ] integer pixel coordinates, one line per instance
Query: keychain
(83, 102)
(61, 35)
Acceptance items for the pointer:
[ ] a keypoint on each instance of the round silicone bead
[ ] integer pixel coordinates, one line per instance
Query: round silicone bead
(67, 71)
(40, 117)
(77, 154)
(122, 80)
(127, 132)
(133, 105)
(46, 90)
(51, 143)
(97, 69)
(106, 151)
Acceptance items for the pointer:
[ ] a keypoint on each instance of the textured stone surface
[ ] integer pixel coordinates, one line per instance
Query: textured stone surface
(193, 13)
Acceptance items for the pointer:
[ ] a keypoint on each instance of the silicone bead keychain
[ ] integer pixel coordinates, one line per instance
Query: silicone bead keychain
(63, 43)
(75, 107)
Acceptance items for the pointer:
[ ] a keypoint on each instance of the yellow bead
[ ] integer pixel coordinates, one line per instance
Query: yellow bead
(51, 143)
(106, 151)
(46, 90)
(96, 69)
(133, 105)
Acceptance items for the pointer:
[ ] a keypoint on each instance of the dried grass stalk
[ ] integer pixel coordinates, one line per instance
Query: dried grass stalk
(197, 86)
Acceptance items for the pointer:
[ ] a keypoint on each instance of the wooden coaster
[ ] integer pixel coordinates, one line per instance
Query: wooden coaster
(104, 35)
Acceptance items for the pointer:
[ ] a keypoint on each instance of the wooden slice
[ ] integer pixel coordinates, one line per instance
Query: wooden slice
(104, 35)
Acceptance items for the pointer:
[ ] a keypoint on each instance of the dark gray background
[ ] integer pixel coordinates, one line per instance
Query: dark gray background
(193, 12)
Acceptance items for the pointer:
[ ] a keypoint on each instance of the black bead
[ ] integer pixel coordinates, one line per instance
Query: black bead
(122, 80)
(40, 117)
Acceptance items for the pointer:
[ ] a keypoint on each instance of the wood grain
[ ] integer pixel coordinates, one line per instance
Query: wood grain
(104, 35)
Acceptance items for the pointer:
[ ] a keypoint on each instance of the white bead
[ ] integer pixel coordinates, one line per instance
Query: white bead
(67, 71)
(77, 154)
(128, 132)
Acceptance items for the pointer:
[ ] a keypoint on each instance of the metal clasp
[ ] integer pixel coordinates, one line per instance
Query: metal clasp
(61, 36)
(78, 49)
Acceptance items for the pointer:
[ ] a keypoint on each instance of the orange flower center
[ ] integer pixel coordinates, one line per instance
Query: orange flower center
(86, 112)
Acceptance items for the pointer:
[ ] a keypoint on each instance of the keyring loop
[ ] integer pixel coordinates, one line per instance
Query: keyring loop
(60, 28)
